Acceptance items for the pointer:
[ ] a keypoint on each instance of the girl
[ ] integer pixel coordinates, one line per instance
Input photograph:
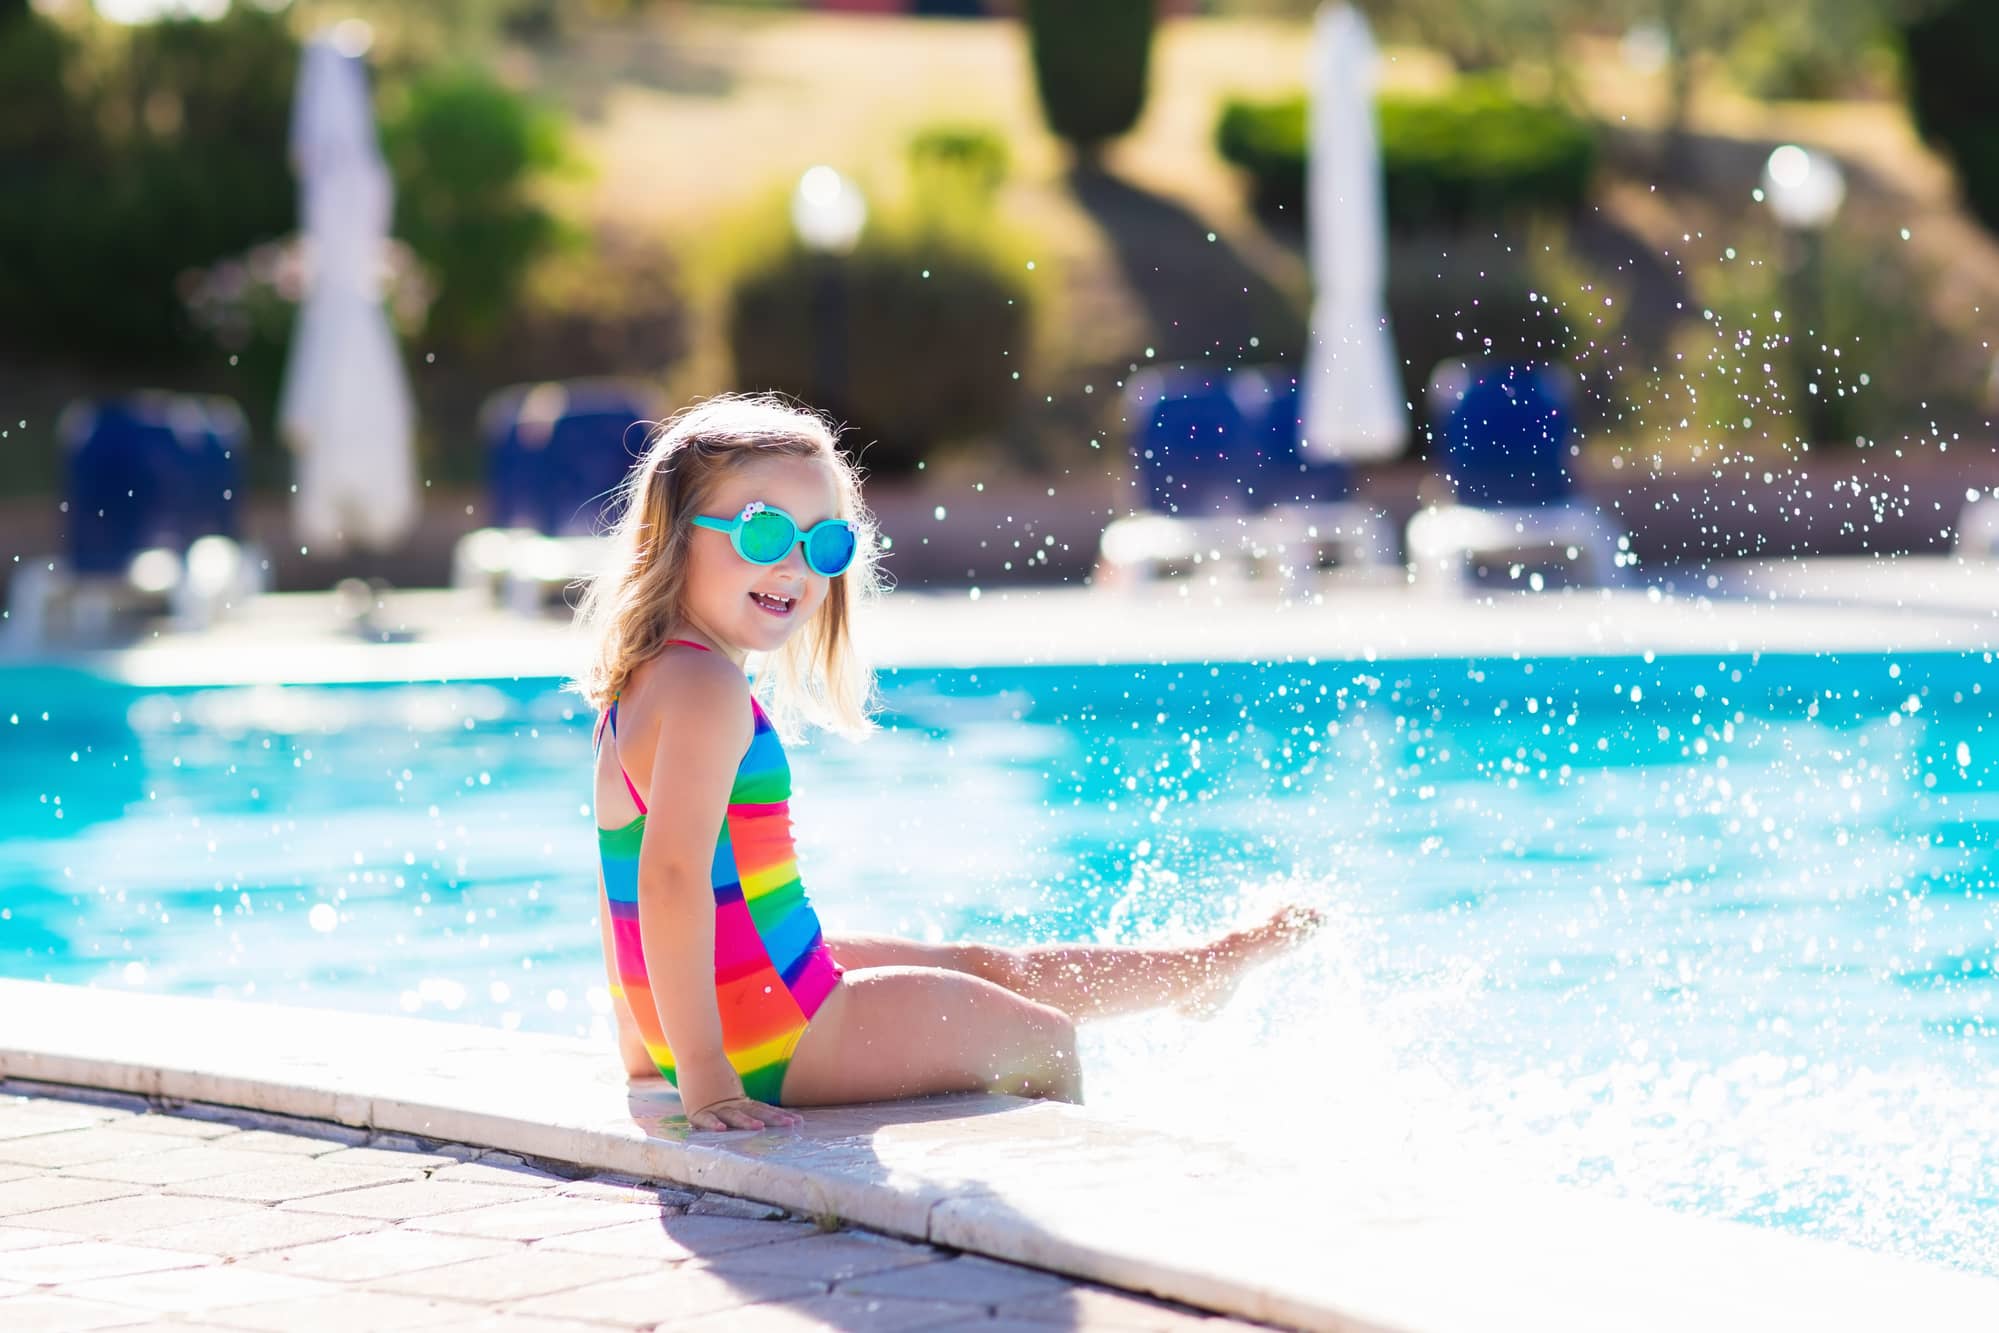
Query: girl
(742, 531)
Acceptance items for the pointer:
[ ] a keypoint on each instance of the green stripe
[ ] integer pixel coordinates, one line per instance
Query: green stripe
(773, 906)
(761, 788)
(622, 842)
(763, 1084)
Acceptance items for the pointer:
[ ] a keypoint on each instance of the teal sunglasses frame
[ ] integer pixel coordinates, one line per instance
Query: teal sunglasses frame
(734, 527)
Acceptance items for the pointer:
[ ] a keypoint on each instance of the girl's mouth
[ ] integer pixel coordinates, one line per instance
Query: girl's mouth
(776, 606)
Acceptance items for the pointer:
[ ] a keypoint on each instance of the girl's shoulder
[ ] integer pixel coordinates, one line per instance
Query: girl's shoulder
(689, 685)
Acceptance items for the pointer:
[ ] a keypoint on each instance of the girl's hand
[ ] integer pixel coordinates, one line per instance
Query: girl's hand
(714, 1092)
(741, 1113)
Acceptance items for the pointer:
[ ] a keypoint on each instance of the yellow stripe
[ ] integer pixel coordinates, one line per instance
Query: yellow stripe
(772, 877)
(746, 1061)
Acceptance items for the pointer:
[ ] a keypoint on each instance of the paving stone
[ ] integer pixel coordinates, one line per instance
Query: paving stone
(260, 1229)
(728, 1205)
(509, 1277)
(45, 1312)
(370, 1310)
(679, 1292)
(284, 1143)
(862, 1314)
(537, 1218)
(966, 1280)
(489, 1171)
(1095, 1307)
(183, 1290)
(177, 1126)
(25, 1238)
(70, 1147)
(403, 1200)
(831, 1257)
(372, 1155)
(32, 1121)
(138, 1214)
(77, 1260)
(291, 1180)
(173, 1161)
(376, 1254)
(625, 1189)
(109, 1101)
(273, 1128)
(673, 1238)
(31, 1194)
(501, 1321)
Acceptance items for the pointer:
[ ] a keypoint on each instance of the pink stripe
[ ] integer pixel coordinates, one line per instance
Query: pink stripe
(757, 810)
(815, 981)
(625, 941)
(736, 940)
(636, 800)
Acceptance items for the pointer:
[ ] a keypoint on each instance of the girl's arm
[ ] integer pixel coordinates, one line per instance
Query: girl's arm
(704, 726)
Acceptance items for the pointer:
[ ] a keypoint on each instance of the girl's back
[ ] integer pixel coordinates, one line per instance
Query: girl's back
(772, 968)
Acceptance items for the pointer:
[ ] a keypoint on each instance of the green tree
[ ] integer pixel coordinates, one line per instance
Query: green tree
(1953, 63)
(1092, 59)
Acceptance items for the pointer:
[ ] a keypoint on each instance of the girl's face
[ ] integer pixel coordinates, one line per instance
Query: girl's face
(720, 600)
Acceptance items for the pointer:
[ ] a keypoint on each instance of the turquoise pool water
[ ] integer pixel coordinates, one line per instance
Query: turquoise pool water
(1717, 932)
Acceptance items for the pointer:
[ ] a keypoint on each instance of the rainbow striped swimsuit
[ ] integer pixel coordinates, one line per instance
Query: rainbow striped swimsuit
(772, 967)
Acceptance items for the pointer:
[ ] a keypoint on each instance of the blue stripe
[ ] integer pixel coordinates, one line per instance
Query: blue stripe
(790, 973)
(786, 941)
(621, 881)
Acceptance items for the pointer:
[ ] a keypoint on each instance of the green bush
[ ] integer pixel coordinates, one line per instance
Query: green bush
(920, 338)
(133, 156)
(163, 151)
(1474, 154)
(974, 157)
(1091, 62)
(464, 149)
(1953, 81)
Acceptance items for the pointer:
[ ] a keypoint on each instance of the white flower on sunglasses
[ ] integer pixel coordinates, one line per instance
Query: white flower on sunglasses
(753, 507)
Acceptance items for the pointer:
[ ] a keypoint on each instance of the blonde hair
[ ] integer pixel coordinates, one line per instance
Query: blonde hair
(630, 609)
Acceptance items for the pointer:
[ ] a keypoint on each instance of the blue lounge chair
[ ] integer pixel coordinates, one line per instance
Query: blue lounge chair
(1504, 428)
(556, 454)
(153, 489)
(1216, 473)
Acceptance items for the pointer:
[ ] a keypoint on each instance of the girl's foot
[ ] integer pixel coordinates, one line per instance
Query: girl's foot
(1226, 959)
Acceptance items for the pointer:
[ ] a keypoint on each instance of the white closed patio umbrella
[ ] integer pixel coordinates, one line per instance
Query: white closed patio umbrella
(1352, 405)
(345, 405)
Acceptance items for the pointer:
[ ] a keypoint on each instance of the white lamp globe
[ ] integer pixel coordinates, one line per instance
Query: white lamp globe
(827, 211)
(1803, 189)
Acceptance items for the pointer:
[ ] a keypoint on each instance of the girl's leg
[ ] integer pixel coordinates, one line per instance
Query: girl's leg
(1096, 980)
(890, 1032)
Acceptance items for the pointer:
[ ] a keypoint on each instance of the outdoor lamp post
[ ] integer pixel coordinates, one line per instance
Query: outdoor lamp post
(1804, 190)
(827, 213)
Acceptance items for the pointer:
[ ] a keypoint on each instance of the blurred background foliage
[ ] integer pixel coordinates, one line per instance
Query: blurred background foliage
(931, 316)
(1564, 179)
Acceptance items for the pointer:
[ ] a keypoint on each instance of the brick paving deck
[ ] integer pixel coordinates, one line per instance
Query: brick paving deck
(129, 1213)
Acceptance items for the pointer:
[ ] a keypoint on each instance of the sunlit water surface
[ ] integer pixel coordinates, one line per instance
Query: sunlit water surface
(1712, 932)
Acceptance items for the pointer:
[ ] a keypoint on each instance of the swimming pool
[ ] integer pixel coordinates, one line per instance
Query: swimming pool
(1713, 931)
